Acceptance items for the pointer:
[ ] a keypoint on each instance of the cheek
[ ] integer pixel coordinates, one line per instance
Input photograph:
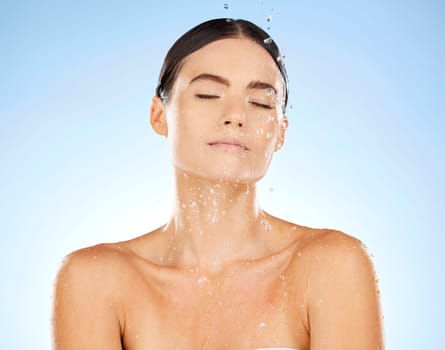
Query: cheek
(265, 132)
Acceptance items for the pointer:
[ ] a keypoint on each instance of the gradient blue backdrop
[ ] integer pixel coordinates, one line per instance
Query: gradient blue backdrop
(364, 152)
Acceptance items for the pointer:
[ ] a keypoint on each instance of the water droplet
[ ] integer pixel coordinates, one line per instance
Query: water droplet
(192, 204)
(226, 6)
(268, 135)
(299, 254)
(262, 325)
(268, 40)
(269, 18)
(294, 228)
(281, 58)
(270, 189)
(202, 279)
(266, 224)
(183, 205)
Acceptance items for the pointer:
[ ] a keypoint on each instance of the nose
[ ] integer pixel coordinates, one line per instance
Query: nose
(234, 115)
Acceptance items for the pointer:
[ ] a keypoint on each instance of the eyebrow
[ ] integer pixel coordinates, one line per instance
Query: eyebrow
(212, 77)
(256, 84)
(261, 85)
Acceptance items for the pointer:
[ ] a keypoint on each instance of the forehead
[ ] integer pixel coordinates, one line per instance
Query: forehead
(236, 59)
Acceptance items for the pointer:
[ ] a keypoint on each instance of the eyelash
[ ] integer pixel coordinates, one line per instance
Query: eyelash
(207, 97)
(261, 105)
(214, 97)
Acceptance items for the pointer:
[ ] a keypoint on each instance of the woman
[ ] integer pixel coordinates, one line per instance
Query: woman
(222, 273)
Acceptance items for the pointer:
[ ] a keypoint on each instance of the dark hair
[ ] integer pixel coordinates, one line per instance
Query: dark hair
(210, 31)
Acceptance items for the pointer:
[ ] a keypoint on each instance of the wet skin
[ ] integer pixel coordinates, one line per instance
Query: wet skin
(222, 273)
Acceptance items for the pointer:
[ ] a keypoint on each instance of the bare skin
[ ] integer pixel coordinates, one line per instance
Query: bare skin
(222, 273)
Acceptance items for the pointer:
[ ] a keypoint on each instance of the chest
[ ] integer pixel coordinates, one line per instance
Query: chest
(240, 310)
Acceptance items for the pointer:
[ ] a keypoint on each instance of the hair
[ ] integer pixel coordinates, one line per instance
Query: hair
(206, 33)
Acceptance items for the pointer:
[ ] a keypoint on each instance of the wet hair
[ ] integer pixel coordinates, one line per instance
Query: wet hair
(206, 33)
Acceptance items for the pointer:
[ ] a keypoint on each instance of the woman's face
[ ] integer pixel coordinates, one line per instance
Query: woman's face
(224, 116)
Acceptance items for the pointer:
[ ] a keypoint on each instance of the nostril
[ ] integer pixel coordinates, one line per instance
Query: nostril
(227, 122)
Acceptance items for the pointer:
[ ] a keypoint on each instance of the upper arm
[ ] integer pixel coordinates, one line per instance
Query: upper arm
(84, 309)
(344, 306)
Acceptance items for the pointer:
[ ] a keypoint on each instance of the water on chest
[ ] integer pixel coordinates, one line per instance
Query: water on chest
(236, 311)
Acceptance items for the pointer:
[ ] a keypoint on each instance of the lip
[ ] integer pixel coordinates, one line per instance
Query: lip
(229, 143)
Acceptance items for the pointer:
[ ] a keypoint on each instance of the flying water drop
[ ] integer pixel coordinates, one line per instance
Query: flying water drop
(281, 58)
(226, 6)
(268, 40)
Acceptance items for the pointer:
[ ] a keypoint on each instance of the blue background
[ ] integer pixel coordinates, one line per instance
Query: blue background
(364, 152)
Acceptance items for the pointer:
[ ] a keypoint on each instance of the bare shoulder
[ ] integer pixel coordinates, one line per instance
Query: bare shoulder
(92, 273)
(330, 245)
(343, 297)
(88, 288)
(94, 263)
(335, 255)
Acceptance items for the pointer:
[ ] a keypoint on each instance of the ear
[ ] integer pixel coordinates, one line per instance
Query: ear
(157, 116)
(284, 123)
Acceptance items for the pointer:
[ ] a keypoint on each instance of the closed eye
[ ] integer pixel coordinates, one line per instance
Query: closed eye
(261, 105)
(207, 97)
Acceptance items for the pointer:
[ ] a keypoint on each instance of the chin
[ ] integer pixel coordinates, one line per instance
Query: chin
(224, 174)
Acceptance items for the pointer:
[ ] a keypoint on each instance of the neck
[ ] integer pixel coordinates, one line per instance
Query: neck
(213, 222)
